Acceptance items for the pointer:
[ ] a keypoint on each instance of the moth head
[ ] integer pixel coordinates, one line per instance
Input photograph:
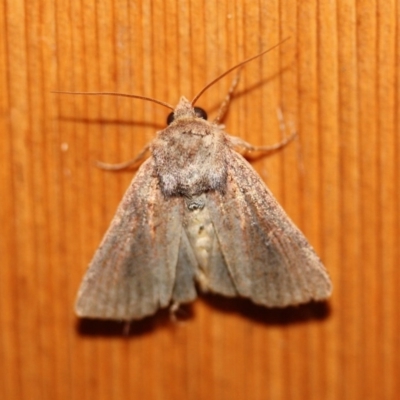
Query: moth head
(184, 109)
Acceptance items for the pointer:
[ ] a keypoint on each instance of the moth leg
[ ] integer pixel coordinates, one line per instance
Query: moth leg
(124, 165)
(175, 310)
(238, 142)
(127, 328)
(282, 125)
(225, 104)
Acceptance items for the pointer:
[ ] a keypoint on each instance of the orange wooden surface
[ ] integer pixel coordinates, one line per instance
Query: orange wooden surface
(337, 81)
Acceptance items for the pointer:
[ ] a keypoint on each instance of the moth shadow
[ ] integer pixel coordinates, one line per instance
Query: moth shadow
(245, 91)
(163, 318)
(136, 328)
(269, 316)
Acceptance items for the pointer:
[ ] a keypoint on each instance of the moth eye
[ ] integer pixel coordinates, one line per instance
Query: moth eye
(170, 118)
(200, 113)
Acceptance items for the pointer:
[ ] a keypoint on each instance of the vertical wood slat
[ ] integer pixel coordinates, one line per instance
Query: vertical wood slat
(337, 82)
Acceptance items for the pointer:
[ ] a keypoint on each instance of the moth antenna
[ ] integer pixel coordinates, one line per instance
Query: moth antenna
(234, 67)
(132, 96)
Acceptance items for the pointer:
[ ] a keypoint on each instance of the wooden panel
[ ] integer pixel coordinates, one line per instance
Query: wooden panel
(337, 82)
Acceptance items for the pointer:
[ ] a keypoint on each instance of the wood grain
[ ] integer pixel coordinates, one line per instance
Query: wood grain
(337, 83)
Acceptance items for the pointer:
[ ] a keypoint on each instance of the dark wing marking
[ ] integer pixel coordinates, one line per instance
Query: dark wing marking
(269, 259)
(132, 273)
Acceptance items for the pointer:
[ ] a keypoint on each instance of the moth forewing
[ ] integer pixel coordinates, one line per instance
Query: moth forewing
(133, 271)
(268, 257)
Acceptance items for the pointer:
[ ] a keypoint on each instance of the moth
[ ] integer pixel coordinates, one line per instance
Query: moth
(197, 216)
